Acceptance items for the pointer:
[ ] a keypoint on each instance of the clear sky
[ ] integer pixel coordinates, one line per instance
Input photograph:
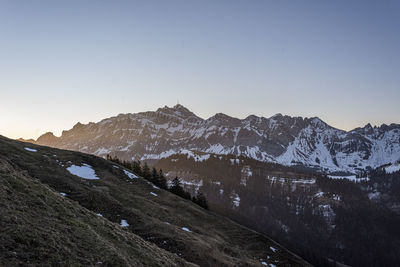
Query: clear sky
(67, 61)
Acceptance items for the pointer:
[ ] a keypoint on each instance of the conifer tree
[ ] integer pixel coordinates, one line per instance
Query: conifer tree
(201, 200)
(136, 168)
(154, 176)
(162, 181)
(146, 172)
(177, 188)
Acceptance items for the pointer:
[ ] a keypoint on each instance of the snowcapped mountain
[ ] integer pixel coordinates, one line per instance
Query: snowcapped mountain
(281, 139)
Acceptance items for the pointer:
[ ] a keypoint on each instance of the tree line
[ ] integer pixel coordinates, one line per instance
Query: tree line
(158, 178)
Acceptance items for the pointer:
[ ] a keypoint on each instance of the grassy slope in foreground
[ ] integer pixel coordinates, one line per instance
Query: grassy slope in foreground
(39, 226)
(159, 218)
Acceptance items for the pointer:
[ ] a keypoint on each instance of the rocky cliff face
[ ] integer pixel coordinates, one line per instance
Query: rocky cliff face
(281, 139)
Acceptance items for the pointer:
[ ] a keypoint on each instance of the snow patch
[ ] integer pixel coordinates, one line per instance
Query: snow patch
(130, 175)
(319, 194)
(85, 171)
(233, 161)
(186, 229)
(124, 223)
(194, 184)
(393, 168)
(154, 194)
(235, 199)
(30, 149)
(352, 178)
(302, 182)
(102, 151)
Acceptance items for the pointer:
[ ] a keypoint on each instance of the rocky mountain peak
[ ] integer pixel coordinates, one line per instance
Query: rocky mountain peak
(178, 111)
(223, 119)
(78, 126)
(277, 116)
(318, 123)
(47, 138)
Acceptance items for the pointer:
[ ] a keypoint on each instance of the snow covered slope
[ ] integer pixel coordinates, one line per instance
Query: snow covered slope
(282, 139)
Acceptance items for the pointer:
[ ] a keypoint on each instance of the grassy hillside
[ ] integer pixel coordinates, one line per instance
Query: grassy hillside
(38, 225)
(42, 226)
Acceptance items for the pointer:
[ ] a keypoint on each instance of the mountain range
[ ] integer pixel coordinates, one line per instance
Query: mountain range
(291, 141)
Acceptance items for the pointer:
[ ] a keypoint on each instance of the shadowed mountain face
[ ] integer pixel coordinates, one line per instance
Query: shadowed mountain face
(67, 208)
(353, 220)
(282, 139)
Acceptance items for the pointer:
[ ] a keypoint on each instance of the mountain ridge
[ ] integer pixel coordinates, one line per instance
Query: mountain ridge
(281, 139)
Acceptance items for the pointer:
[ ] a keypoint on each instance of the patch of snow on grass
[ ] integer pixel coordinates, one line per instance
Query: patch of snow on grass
(319, 194)
(264, 263)
(186, 229)
(30, 149)
(154, 194)
(63, 194)
(85, 171)
(124, 223)
(273, 249)
(99, 214)
(130, 175)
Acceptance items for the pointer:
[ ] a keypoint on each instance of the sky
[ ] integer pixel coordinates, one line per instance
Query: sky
(67, 61)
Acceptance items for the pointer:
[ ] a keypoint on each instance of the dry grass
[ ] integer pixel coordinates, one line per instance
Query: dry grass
(42, 226)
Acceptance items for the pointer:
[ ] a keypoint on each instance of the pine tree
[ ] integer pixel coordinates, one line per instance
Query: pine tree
(146, 172)
(162, 181)
(201, 200)
(177, 188)
(136, 168)
(154, 176)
